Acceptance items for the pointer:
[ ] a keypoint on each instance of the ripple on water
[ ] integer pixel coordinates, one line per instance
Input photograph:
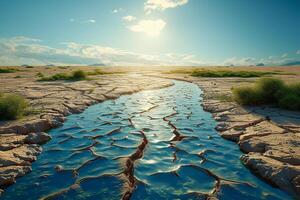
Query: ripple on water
(156, 144)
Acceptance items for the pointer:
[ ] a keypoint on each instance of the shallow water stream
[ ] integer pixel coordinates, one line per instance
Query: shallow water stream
(157, 144)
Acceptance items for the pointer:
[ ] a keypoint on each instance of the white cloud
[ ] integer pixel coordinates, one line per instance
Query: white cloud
(23, 50)
(129, 18)
(150, 27)
(298, 52)
(92, 21)
(151, 5)
(88, 21)
(83, 21)
(284, 55)
(240, 61)
(117, 10)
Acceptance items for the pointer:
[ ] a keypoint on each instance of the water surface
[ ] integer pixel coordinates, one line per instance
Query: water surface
(182, 157)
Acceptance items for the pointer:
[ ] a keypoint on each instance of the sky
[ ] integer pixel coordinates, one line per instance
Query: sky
(149, 32)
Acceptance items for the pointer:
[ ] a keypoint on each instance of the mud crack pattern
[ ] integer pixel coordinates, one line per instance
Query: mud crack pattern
(156, 144)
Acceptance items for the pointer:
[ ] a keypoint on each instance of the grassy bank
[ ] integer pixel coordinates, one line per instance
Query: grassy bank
(269, 91)
(74, 76)
(229, 73)
(7, 70)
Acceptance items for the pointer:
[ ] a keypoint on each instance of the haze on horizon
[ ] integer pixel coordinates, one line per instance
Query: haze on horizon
(149, 32)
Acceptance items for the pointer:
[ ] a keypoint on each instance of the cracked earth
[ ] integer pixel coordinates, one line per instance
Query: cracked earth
(157, 144)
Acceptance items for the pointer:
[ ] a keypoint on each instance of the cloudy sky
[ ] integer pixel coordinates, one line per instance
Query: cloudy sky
(149, 32)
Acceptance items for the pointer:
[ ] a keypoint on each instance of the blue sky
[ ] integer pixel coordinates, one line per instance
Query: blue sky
(149, 32)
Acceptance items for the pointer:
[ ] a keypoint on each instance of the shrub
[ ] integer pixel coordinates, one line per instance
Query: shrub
(55, 77)
(291, 102)
(7, 70)
(247, 95)
(96, 72)
(269, 88)
(76, 76)
(269, 91)
(39, 74)
(229, 73)
(12, 106)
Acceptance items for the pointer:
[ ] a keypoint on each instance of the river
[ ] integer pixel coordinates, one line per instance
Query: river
(156, 144)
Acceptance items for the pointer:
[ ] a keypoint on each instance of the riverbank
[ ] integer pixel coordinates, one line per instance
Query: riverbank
(269, 137)
(20, 140)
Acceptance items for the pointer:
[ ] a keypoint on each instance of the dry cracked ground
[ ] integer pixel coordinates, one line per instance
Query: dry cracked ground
(269, 137)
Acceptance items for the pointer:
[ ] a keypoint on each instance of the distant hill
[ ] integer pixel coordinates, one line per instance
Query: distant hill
(292, 63)
(260, 64)
(97, 64)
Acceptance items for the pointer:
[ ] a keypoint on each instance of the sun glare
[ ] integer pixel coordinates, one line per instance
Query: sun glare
(150, 27)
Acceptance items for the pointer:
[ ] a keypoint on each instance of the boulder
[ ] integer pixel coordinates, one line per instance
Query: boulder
(37, 138)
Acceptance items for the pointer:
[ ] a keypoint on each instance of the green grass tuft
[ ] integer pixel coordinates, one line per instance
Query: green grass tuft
(39, 74)
(95, 72)
(12, 106)
(7, 70)
(269, 91)
(77, 75)
(229, 73)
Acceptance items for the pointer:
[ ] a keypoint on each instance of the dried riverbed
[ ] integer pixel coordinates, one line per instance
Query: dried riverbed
(157, 144)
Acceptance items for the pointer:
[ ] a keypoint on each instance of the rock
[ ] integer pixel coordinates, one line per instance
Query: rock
(10, 141)
(37, 138)
(6, 180)
(296, 184)
(75, 186)
(9, 174)
(280, 174)
(36, 184)
(37, 125)
(58, 168)
(22, 155)
(252, 145)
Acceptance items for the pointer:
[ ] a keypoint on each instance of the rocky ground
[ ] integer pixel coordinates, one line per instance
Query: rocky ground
(269, 137)
(20, 140)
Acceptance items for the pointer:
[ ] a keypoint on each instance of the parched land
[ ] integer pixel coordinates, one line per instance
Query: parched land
(269, 136)
(51, 101)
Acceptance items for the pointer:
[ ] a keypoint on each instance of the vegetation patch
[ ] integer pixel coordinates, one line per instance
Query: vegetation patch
(99, 72)
(7, 70)
(269, 91)
(12, 106)
(63, 67)
(39, 74)
(77, 75)
(95, 72)
(229, 73)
